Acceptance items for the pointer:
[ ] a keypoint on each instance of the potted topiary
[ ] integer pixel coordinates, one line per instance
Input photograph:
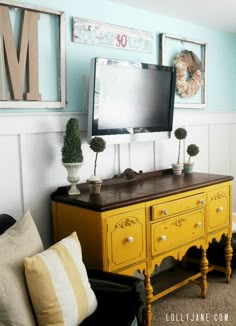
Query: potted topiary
(192, 150)
(180, 134)
(72, 156)
(97, 144)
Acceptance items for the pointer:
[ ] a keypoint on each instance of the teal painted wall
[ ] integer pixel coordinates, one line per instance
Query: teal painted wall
(221, 86)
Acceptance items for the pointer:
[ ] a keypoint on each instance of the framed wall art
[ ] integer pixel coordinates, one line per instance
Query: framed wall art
(190, 59)
(32, 56)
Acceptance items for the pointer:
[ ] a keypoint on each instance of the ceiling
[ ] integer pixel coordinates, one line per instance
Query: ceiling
(214, 14)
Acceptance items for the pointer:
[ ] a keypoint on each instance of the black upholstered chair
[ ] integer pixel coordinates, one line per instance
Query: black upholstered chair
(121, 298)
(5, 222)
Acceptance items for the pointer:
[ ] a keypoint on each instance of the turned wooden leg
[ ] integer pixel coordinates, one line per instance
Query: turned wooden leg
(228, 258)
(149, 295)
(204, 270)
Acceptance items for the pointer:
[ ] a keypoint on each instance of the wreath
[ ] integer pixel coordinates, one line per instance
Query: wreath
(188, 73)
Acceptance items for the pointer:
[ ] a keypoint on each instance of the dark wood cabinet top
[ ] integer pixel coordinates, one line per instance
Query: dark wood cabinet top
(120, 192)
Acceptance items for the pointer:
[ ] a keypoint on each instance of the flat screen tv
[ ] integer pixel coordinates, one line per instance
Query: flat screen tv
(129, 101)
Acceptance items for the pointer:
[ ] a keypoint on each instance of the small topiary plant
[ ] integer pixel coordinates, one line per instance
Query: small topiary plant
(180, 134)
(192, 150)
(71, 149)
(97, 144)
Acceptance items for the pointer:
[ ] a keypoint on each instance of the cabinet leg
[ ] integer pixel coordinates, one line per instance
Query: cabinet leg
(149, 295)
(228, 258)
(204, 270)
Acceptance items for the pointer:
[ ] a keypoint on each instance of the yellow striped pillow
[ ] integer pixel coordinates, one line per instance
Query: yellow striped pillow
(58, 284)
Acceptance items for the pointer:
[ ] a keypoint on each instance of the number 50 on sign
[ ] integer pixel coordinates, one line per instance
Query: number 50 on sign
(96, 33)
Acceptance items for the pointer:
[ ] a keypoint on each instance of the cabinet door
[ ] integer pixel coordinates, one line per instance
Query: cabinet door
(218, 208)
(126, 239)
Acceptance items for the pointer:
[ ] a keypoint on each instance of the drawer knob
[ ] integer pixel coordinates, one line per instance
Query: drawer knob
(130, 239)
(201, 201)
(199, 224)
(220, 209)
(165, 211)
(163, 237)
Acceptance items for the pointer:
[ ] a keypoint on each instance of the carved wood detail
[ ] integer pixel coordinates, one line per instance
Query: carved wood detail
(179, 222)
(128, 221)
(219, 195)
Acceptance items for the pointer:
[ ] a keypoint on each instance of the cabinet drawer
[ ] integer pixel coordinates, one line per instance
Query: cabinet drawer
(177, 206)
(176, 231)
(218, 208)
(126, 240)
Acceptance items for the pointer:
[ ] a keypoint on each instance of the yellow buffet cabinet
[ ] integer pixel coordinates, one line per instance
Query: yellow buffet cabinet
(135, 223)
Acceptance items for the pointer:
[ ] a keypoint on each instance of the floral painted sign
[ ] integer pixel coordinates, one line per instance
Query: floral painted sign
(97, 33)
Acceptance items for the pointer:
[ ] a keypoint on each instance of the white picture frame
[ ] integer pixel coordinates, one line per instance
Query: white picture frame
(170, 46)
(58, 99)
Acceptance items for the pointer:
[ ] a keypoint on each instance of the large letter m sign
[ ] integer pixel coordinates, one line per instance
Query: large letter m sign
(21, 62)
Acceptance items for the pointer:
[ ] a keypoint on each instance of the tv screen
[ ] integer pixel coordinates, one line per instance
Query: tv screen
(128, 98)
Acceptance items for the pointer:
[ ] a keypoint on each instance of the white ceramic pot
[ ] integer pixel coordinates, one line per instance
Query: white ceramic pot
(177, 168)
(73, 176)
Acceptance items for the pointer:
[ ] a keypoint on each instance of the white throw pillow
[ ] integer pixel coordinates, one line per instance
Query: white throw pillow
(19, 241)
(58, 284)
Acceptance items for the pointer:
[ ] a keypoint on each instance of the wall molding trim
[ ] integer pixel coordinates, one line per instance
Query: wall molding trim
(204, 118)
(28, 123)
(31, 143)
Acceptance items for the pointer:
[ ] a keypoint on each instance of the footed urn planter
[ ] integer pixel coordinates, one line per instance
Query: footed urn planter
(73, 176)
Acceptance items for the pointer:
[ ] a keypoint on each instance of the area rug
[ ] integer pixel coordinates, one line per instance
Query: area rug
(186, 307)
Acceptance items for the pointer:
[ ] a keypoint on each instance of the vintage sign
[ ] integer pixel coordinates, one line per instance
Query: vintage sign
(97, 33)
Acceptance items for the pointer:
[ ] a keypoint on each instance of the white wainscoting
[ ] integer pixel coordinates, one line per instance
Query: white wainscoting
(30, 147)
